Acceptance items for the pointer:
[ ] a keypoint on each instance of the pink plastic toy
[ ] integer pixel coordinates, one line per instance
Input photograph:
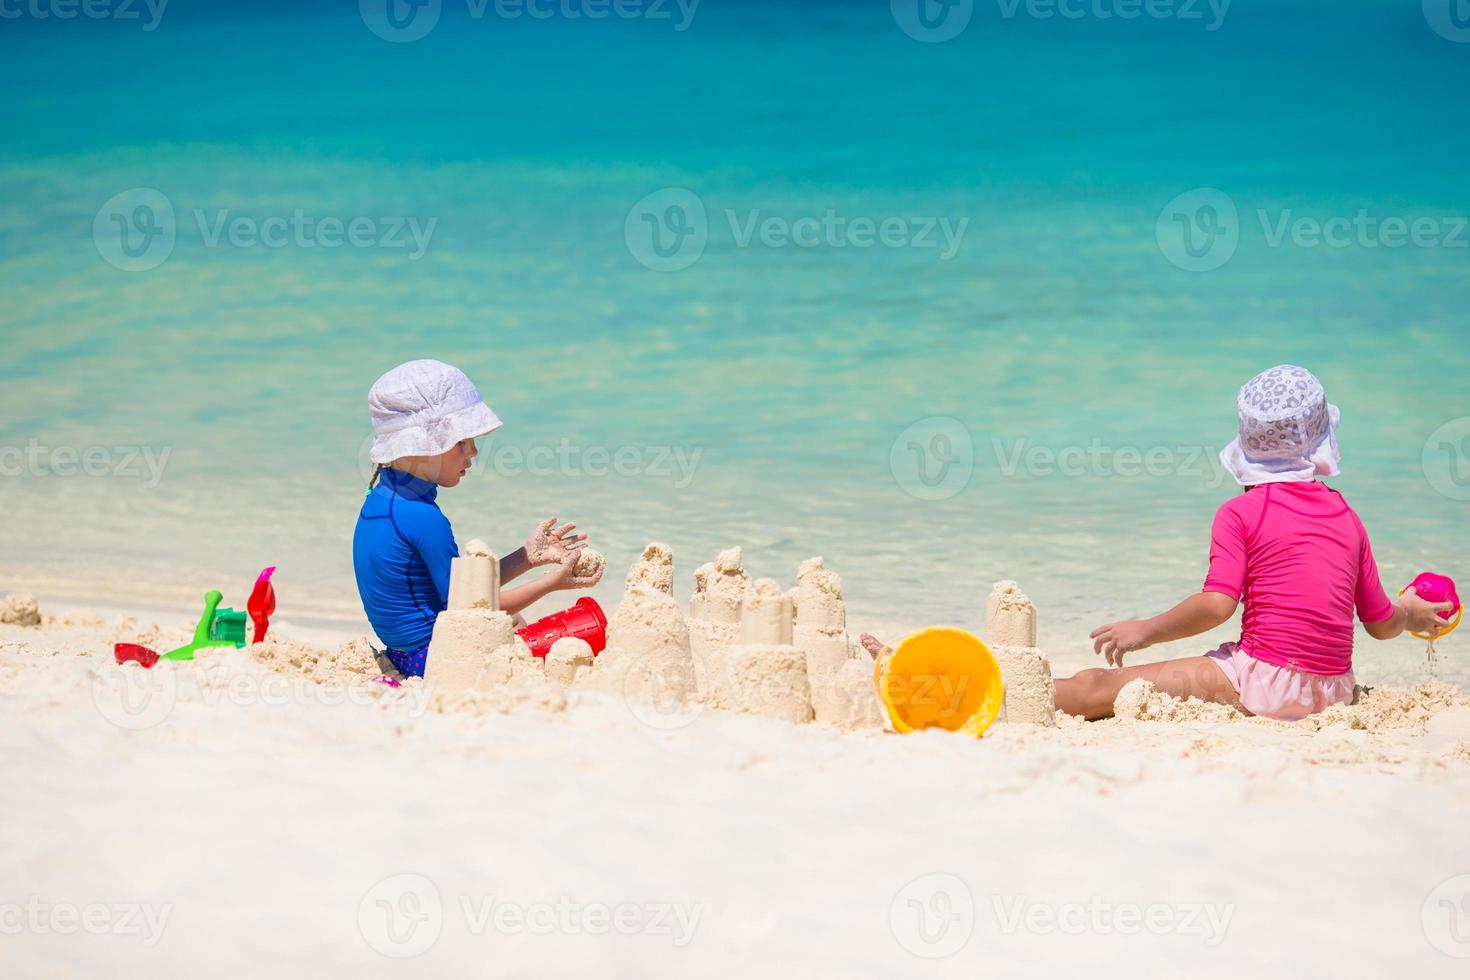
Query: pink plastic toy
(1437, 588)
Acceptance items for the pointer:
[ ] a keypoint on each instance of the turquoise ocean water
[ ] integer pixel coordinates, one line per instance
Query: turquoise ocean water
(1130, 208)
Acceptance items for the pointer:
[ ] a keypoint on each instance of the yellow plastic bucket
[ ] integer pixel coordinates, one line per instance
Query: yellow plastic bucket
(940, 678)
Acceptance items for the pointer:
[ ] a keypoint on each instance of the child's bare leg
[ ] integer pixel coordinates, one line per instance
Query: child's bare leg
(1090, 693)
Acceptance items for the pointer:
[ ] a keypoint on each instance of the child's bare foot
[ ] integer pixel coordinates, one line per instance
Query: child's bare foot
(873, 645)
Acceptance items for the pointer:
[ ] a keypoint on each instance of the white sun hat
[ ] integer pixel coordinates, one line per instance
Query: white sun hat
(423, 408)
(1288, 430)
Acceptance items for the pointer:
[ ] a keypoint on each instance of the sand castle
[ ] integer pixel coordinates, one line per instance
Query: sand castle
(764, 673)
(714, 614)
(474, 578)
(1010, 632)
(474, 645)
(746, 647)
(782, 655)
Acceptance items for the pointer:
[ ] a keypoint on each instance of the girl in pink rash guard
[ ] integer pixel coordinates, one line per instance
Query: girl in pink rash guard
(1289, 548)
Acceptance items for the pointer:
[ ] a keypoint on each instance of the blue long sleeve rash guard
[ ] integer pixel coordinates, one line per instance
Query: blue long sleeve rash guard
(401, 552)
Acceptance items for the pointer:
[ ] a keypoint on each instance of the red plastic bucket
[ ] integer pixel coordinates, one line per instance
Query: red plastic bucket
(584, 620)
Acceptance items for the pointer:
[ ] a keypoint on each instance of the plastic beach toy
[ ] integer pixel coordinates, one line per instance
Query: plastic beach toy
(585, 620)
(141, 655)
(1432, 587)
(217, 628)
(262, 604)
(940, 678)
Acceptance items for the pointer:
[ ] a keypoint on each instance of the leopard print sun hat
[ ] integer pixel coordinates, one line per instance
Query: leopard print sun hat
(1288, 430)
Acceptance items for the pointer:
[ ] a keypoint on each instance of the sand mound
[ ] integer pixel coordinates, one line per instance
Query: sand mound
(350, 663)
(1141, 701)
(20, 610)
(1387, 709)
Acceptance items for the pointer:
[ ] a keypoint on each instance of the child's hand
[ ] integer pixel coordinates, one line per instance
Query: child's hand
(1116, 639)
(550, 545)
(1423, 615)
(565, 577)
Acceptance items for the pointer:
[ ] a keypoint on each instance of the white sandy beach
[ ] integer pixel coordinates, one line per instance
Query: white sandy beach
(278, 811)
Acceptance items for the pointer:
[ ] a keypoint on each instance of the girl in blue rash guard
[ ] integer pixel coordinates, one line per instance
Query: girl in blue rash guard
(426, 417)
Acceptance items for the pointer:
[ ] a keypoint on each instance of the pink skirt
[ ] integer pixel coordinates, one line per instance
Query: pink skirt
(1280, 692)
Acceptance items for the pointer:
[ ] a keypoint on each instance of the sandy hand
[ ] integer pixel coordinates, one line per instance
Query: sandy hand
(874, 646)
(1423, 615)
(1116, 639)
(565, 577)
(550, 544)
